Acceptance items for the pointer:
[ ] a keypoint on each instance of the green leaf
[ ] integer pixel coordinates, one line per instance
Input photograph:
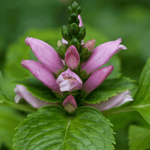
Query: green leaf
(50, 128)
(109, 88)
(142, 96)
(9, 120)
(115, 61)
(139, 138)
(38, 89)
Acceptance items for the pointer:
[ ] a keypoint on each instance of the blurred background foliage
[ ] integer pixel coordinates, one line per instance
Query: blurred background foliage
(105, 20)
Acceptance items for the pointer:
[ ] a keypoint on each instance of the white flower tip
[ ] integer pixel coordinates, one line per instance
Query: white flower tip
(17, 98)
(122, 47)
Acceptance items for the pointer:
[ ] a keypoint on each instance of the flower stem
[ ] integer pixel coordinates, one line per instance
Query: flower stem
(20, 107)
(118, 111)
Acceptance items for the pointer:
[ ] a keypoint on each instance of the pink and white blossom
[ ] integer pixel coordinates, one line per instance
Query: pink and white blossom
(22, 92)
(69, 81)
(112, 102)
(72, 57)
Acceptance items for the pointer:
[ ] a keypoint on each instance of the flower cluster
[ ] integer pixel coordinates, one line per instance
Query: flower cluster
(63, 72)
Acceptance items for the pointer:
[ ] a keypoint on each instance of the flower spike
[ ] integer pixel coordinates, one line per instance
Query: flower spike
(72, 57)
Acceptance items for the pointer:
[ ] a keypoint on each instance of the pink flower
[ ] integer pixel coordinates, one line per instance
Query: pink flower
(97, 78)
(70, 104)
(41, 73)
(115, 101)
(22, 92)
(80, 21)
(72, 57)
(101, 55)
(45, 54)
(69, 81)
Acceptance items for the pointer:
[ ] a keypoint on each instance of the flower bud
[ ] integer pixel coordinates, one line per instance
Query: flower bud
(65, 33)
(75, 42)
(74, 6)
(90, 45)
(72, 57)
(74, 28)
(70, 104)
(81, 34)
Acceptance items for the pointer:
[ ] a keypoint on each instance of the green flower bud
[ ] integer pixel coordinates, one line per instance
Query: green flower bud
(74, 28)
(69, 10)
(65, 33)
(61, 51)
(75, 42)
(74, 16)
(81, 34)
(78, 11)
(74, 6)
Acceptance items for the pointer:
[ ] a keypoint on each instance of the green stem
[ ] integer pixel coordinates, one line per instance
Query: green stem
(118, 110)
(20, 107)
(8, 102)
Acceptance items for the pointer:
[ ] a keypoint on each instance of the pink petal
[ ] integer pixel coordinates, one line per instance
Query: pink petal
(72, 57)
(97, 78)
(90, 45)
(41, 73)
(101, 55)
(45, 54)
(22, 92)
(69, 81)
(115, 101)
(70, 104)
(80, 21)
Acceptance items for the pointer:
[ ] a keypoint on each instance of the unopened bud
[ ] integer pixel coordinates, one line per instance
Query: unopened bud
(75, 42)
(74, 28)
(90, 45)
(81, 34)
(74, 6)
(65, 33)
(70, 104)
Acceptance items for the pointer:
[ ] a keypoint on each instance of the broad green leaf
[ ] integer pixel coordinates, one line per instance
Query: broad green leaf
(142, 96)
(109, 88)
(115, 61)
(51, 129)
(9, 120)
(38, 89)
(139, 138)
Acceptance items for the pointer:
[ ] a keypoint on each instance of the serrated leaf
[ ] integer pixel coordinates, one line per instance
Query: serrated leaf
(9, 119)
(109, 88)
(51, 129)
(38, 89)
(142, 96)
(139, 138)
